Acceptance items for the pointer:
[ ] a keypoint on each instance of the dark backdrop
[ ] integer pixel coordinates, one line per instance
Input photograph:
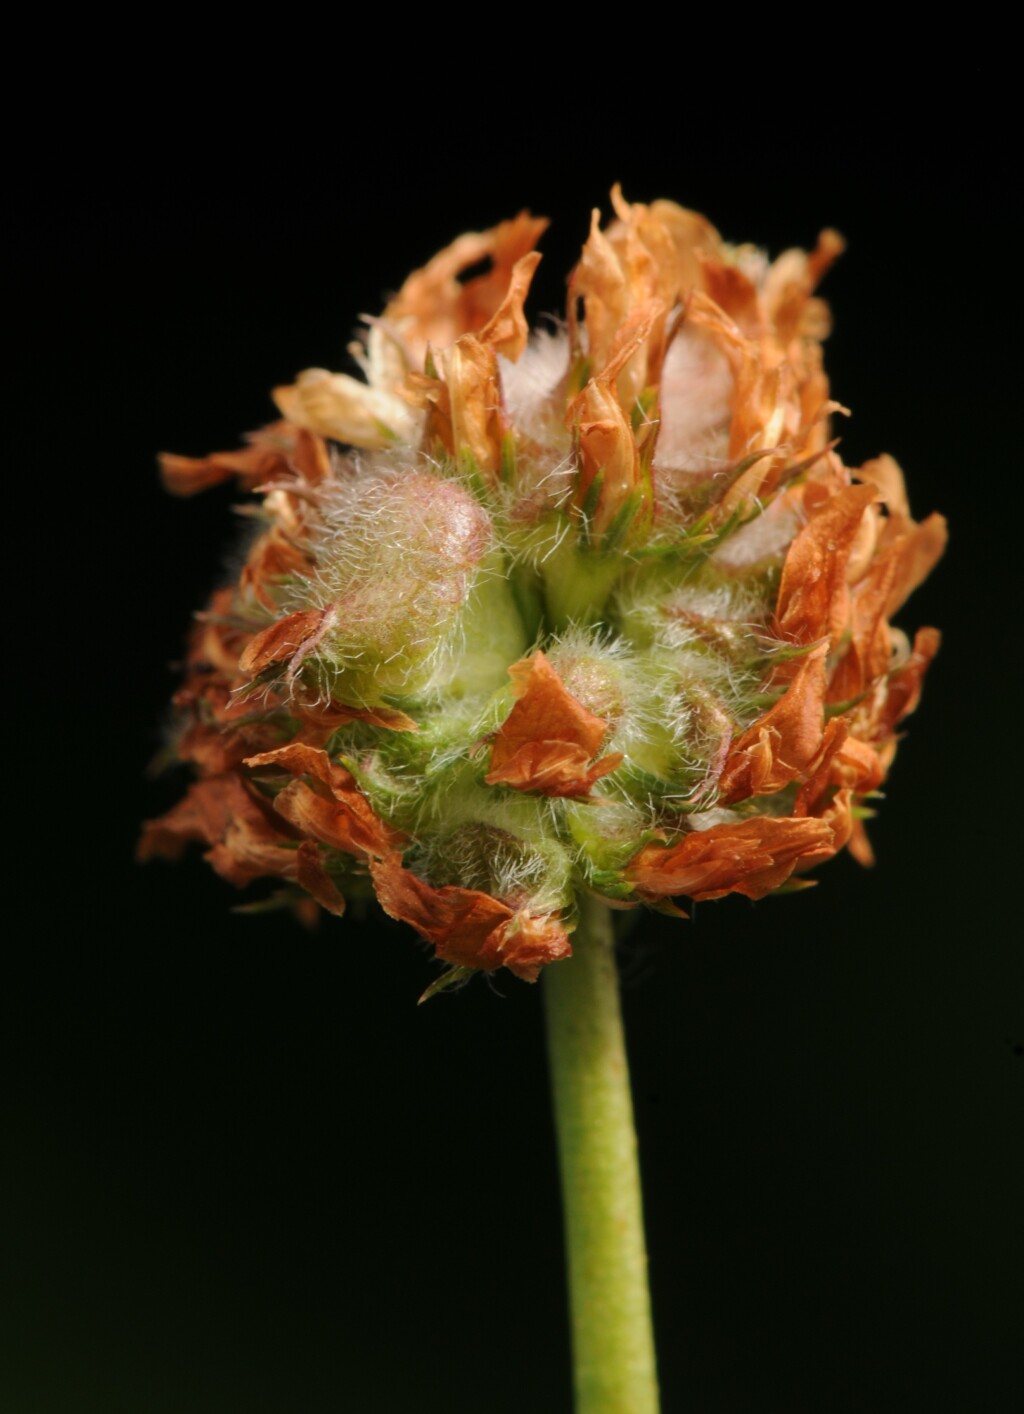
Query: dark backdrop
(243, 1171)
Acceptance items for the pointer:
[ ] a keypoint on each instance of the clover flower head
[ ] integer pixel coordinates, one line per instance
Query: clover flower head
(596, 609)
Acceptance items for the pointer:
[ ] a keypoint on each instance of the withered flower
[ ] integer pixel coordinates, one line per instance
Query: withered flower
(525, 619)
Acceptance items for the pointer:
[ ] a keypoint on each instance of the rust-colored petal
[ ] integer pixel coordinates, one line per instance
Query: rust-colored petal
(273, 558)
(476, 416)
(693, 238)
(284, 640)
(922, 549)
(648, 253)
(845, 768)
(549, 738)
(606, 445)
(600, 416)
(775, 749)
(734, 293)
(216, 728)
(843, 761)
(788, 286)
(860, 846)
(529, 941)
(299, 759)
(252, 848)
(279, 450)
(601, 281)
(187, 476)
(756, 420)
(751, 857)
(217, 638)
(344, 822)
(813, 598)
(780, 395)
(201, 816)
(220, 731)
(779, 407)
(553, 768)
(332, 809)
(461, 923)
(221, 812)
(869, 650)
(857, 766)
(922, 545)
(837, 814)
(467, 927)
(886, 475)
(904, 686)
(311, 458)
(819, 773)
(435, 307)
(507, 331)
(311, 875)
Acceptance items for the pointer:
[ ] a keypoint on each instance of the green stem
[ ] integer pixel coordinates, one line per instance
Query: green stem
(613, 1344)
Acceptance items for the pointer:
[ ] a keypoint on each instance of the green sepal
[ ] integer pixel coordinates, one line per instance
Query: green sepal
(836, 709)
(763, 701)
(794, 885)
(668, 907)
(386, 799)
(469, 468)
(388, 433)
(710, 492)
(508, 459)
(609, 883)
(588, 508)
(645, 401)
(274, 903)
(777, 650)
(701, 539)
(579, 377)
(454, 977)
(621, 522)
(528, 593)
(642, 784)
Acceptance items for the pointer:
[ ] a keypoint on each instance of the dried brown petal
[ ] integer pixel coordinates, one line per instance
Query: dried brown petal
(284, 640)
(222, 813)
(280, 450)
(311, 875)
(751, 857)
(781, 744)
(332, 809)
(813, 601)
(467, 927)
(548, 740)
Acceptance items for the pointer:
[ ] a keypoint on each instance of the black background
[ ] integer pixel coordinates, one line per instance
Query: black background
(243, 1171)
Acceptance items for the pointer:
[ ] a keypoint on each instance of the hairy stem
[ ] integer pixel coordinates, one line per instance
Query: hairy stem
(613, 1344)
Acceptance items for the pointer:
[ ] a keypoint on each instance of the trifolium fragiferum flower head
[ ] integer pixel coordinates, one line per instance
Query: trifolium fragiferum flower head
(596, 609)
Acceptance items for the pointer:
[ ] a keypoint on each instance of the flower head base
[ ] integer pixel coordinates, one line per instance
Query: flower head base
(594, 610)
